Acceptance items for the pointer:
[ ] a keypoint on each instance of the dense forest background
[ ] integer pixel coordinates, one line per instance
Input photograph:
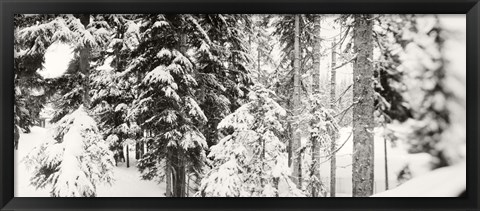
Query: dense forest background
(236, 105)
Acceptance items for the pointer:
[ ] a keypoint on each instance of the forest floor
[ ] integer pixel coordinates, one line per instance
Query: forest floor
(128, 182)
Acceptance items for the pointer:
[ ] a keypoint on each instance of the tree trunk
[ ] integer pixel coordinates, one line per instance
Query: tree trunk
(316, 165)
(137, 150)
(290, 144)
(128, 156)
(296, 106)
(16, 136)
(85, 63)
(316, 54)
(386, 164)
(168, 173)
(333, 135)
(362, 163)
(316, 92)
(179, 174)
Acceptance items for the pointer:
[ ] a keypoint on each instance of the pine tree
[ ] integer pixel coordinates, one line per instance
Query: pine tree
(362, 163)
(263, 44)
(113, 91)
(285, 73)
(166, 104)
(32, 38)
(222, 72)
(251, 161)
(73, 159)
(77, 159)
(210, 55)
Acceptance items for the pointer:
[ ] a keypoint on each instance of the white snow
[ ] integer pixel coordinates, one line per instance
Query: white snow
(433, 184)
(128, 182)
(397, 159)
(159, 74)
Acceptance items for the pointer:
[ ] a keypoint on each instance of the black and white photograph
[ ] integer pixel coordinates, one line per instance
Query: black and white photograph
(240, 105)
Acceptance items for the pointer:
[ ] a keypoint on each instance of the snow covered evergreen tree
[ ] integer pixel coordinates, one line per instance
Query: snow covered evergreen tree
(113, 91)
(77, 159)
(166, 103)
(73, 159)
(251, 161)
(323, 130)
(32, 38)
(207, 52)
(221, 67)
(88, 36)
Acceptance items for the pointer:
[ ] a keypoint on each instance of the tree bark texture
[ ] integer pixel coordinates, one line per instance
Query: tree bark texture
(296, 105)
(316, 54)
(316, 91)
(333, 135)
(363, 157)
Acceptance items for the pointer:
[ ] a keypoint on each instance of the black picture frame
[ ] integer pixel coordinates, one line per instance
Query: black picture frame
(9, 7)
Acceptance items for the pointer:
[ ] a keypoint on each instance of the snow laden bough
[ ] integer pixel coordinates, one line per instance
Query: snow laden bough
(251, 161)
(73, 159)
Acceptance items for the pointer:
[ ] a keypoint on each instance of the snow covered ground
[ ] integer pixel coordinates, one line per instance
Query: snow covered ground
(127, 180)
(397, 159)
(129, 184)
(432, 184)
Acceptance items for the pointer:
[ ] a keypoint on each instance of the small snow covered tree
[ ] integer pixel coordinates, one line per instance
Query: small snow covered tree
(74, 159)
(323, 131)
(251, 161)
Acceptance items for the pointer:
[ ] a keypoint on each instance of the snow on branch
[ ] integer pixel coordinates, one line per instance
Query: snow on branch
(73, 159)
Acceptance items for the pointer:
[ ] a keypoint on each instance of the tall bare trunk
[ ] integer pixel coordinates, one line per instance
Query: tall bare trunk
(296, 106)
(362, 163)
(333, 135)
(316, 91)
